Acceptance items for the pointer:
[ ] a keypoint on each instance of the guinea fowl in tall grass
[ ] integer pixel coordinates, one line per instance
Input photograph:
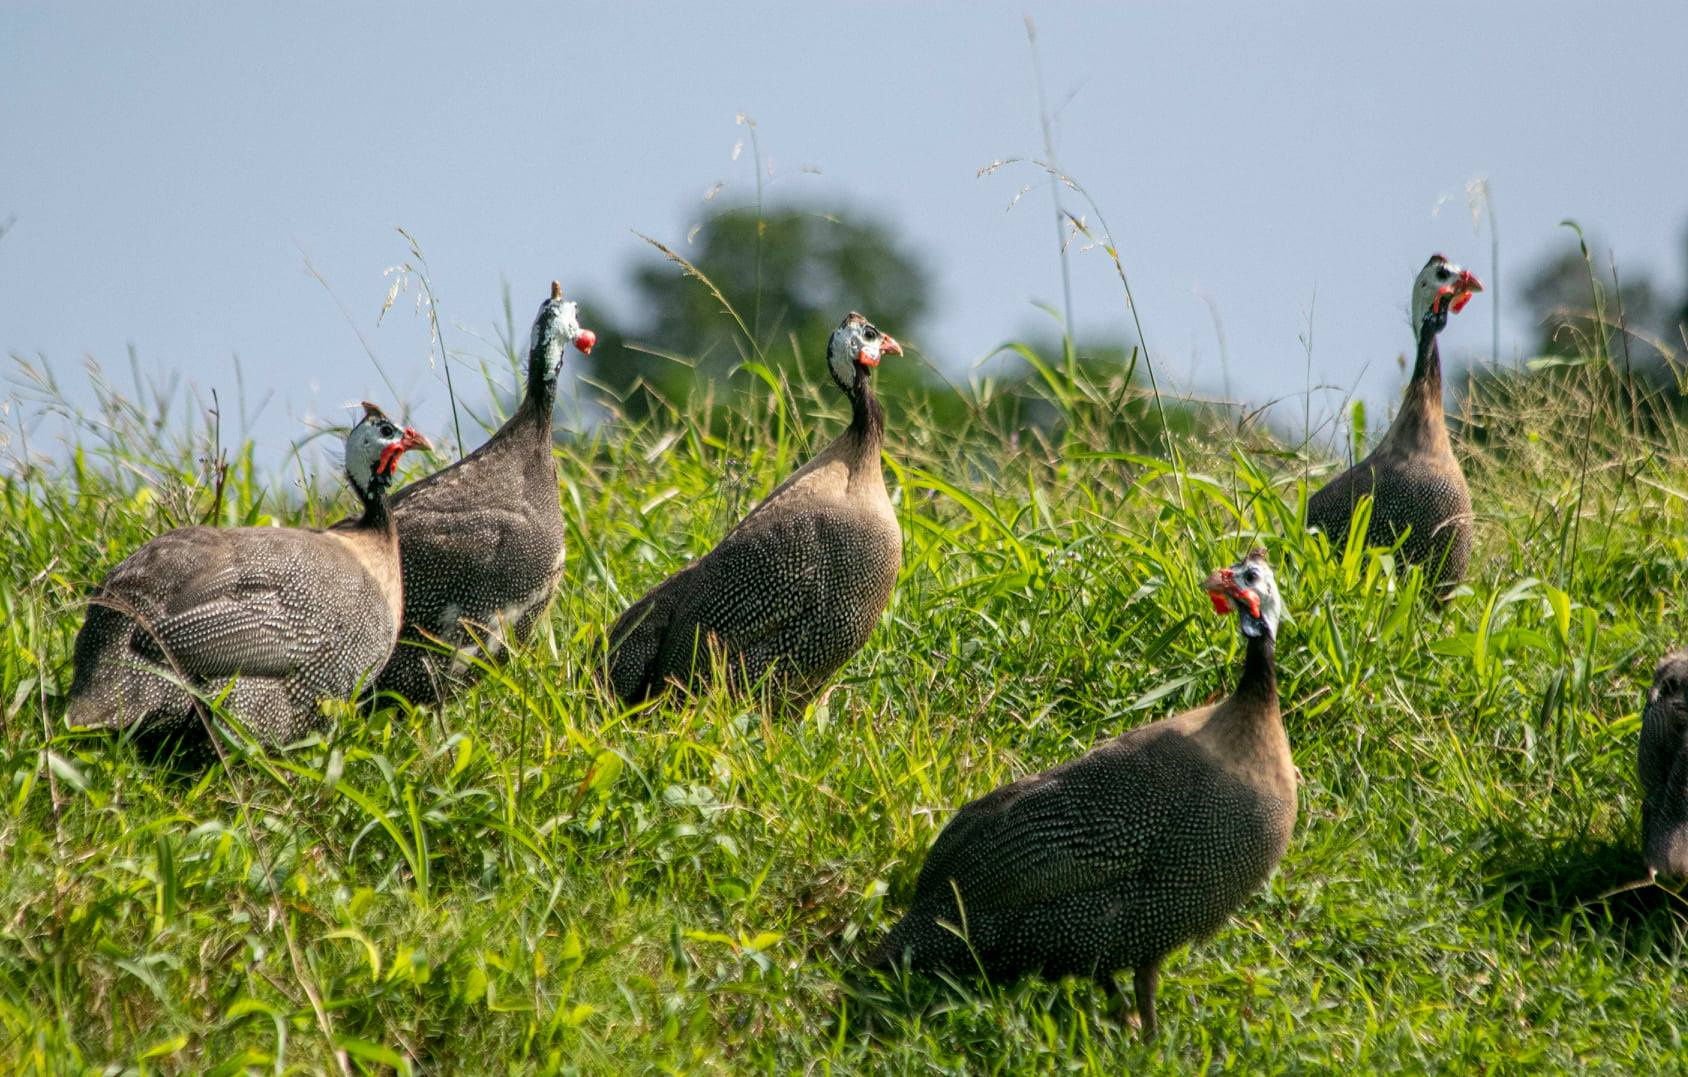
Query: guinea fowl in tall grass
(1115, 859)
(796, 588)
(1414, 479)
(283, 618)
(1662, 765)
(483, 540)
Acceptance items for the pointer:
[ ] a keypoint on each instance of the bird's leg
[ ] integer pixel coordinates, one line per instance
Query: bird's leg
(1116, 1000)
(1147, 977)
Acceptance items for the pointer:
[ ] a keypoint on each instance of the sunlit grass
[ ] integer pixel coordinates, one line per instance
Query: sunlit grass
(535, 879)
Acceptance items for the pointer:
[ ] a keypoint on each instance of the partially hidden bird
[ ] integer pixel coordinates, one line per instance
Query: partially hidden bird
(1662, 766)
(483, 540)
(1413, 477)
(273, 621)
(793, 591)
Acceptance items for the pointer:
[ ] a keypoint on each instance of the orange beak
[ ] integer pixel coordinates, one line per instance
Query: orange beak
(887, 346)
(1466, 285)
(390, 455)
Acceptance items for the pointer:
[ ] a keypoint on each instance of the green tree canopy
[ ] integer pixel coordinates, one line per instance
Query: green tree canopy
(785, 278)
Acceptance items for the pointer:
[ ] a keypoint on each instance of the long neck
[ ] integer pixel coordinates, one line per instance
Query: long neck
(1259, 682)
(376, 516)
(867, 417)
(1420, 422)
(541, 392)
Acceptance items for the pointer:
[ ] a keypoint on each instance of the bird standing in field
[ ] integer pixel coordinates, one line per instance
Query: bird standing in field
(1662, 765)
(796, 588)
(291, 617)
(1414, 479)
(483, 540)
(1113, 860)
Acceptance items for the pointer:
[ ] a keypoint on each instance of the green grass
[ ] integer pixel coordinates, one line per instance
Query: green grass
(535, 880)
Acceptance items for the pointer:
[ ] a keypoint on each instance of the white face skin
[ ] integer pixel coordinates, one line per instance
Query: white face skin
(557, 326)
(1255, 576)
(1438, 273)
(855, 337)
(364, 446)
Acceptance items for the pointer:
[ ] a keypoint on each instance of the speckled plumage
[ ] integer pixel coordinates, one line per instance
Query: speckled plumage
(293, 617)
(483, 540)
(1415, 481)
(798, 586)
(1662, 766)
(1113, 860)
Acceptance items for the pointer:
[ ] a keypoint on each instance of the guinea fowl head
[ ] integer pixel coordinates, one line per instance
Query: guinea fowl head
(1250, 588)
(556, 327)
(373, 448)
(855, 349)
(1439, 289)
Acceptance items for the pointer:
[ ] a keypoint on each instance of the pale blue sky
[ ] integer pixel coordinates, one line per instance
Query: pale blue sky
(169, 173)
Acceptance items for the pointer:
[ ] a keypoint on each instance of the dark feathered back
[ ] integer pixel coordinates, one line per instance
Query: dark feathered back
(794, 590)
(1662, 765)
(1415, 482)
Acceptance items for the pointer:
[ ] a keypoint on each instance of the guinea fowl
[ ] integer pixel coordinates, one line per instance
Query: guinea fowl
(483, 539)
(1413, 477)
(1114, 859)
(796, 588)
(1662, 764)
(291, 617)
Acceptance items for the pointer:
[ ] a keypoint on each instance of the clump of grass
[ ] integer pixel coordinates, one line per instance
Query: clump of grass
(537, 878)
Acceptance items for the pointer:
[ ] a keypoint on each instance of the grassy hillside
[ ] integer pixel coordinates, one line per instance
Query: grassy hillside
(534, 880)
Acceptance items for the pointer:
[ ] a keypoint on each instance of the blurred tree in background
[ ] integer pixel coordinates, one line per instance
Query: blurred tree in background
(771, 287)
(787, 277)
(1605, 336)
(1581, 303)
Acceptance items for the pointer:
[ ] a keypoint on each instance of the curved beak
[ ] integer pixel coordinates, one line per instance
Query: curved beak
(887, 346)
(1222, 590)
(585, 340)
(389, 459)
(1465, 286)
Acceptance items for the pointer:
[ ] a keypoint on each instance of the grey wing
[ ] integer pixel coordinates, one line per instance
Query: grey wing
(453, 545)
(746, 594)
(1664, 735)
(636, 641)
(1084, 825)
(1332, 506)
(774, 586)
(224, 603)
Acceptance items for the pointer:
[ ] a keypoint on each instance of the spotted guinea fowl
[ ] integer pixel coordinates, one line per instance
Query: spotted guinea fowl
(1414, 478)
(1114, 859)
(1662, 765)
(799, 584)
(291, 616)
(483, 539)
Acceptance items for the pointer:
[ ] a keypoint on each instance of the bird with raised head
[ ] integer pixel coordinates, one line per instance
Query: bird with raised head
(796, 588)
(1113, 860)
(283, 619)
(1416, 484)
(1662, 766)
(483, 540)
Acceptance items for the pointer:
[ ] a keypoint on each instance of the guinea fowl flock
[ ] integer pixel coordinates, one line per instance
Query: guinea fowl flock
(1104, 863)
